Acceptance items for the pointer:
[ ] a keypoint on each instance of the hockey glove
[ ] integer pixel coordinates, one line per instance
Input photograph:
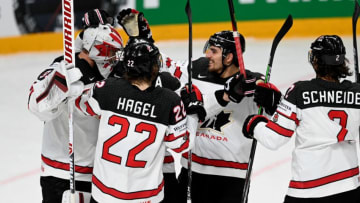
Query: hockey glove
(94, 17)
(193, 101)
(268, 96)
(237, 87)
(52, 88)
(250, 123)
(135, 24)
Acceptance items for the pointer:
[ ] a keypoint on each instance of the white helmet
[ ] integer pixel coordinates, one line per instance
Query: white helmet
(102, 43)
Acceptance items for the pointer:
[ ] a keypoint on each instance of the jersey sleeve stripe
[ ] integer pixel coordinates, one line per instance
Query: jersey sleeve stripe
(58, 80)
(171, 137)
(280, 130)
(324, 180)
(292, 117)
(89, 110)
(65, 166)
(127, 195)
(216, 163)
(184, 146)
(168, 159)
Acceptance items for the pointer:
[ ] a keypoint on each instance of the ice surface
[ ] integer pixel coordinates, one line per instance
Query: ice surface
(21, 131)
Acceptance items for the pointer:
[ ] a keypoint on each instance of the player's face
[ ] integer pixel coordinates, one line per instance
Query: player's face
(214, 54)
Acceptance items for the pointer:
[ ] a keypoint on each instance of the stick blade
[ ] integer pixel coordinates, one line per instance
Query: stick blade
(188, 10)
(356, 12)
(283, 30)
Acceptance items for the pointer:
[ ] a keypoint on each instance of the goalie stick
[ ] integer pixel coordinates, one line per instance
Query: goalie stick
(189, 68)
(354, 22)
(237, 39)
(283, 30)
(69, 57)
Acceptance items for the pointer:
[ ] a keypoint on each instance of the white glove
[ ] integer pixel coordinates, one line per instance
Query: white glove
(73, 75)
(61, 83)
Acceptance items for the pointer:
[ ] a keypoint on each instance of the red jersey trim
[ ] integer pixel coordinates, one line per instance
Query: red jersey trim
(293, 117)
(324, 180)
(280, 130)
(65, 166)
(127, 195)
(184, 146)
(58, 80)
(216, 163)
(89, 110)
(168, 159)
(171, 137)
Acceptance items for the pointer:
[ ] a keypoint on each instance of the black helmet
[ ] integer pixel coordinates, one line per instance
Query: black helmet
(140, 56)
(225, 40)
(328, 50)
(94, 17)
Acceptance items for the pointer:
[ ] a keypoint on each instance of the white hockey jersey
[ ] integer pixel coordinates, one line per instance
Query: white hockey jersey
(325, 117)
(55, 150)
(135, 129)
(220, 148)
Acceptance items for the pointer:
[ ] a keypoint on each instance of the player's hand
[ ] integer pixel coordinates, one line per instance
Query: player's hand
(193, 101)
(72, 77)
(250, 123)
(94, 17)
(135, 24)
(268, 96)
(237, 87)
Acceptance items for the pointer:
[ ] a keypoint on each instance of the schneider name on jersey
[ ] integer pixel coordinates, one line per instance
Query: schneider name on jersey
(324, 161)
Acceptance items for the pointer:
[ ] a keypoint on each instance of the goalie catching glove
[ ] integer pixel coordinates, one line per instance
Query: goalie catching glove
(56, 85)
(193, 101)
(135, 24)
(268, 96)
(237, 87)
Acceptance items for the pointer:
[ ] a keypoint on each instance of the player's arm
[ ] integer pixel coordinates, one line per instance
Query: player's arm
(88, 102)
(53, 88)
(274, 132)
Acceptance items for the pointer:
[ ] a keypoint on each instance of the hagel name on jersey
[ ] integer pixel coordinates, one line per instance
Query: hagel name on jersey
(331, 97)
(136, 107)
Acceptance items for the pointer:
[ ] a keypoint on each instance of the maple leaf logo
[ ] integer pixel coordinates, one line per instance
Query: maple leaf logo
(217, 122)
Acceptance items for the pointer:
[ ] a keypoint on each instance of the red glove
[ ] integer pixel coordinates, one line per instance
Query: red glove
(193, 101)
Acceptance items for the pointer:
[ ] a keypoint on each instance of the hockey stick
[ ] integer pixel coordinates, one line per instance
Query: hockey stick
(189, 68)
(237, 39)
(69, 57)
(283, 30)
(354, 22)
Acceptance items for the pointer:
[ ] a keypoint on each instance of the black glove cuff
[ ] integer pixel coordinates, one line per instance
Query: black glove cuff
(201, 114)
(250, 123)
(219, 97)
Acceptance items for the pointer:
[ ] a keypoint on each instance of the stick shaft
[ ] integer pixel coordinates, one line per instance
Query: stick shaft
(283, 30)
(69, 57)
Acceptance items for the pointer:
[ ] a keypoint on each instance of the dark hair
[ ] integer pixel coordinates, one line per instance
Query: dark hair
(148, 78)
(334, 71)
(225, 40)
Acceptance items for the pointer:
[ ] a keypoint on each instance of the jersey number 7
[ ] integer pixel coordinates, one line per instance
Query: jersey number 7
(342, 116)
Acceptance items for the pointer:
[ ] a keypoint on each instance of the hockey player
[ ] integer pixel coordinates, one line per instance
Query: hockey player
(325, 115)
(140, 28)
(137, 122)
(48, 100)
(220, 155)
